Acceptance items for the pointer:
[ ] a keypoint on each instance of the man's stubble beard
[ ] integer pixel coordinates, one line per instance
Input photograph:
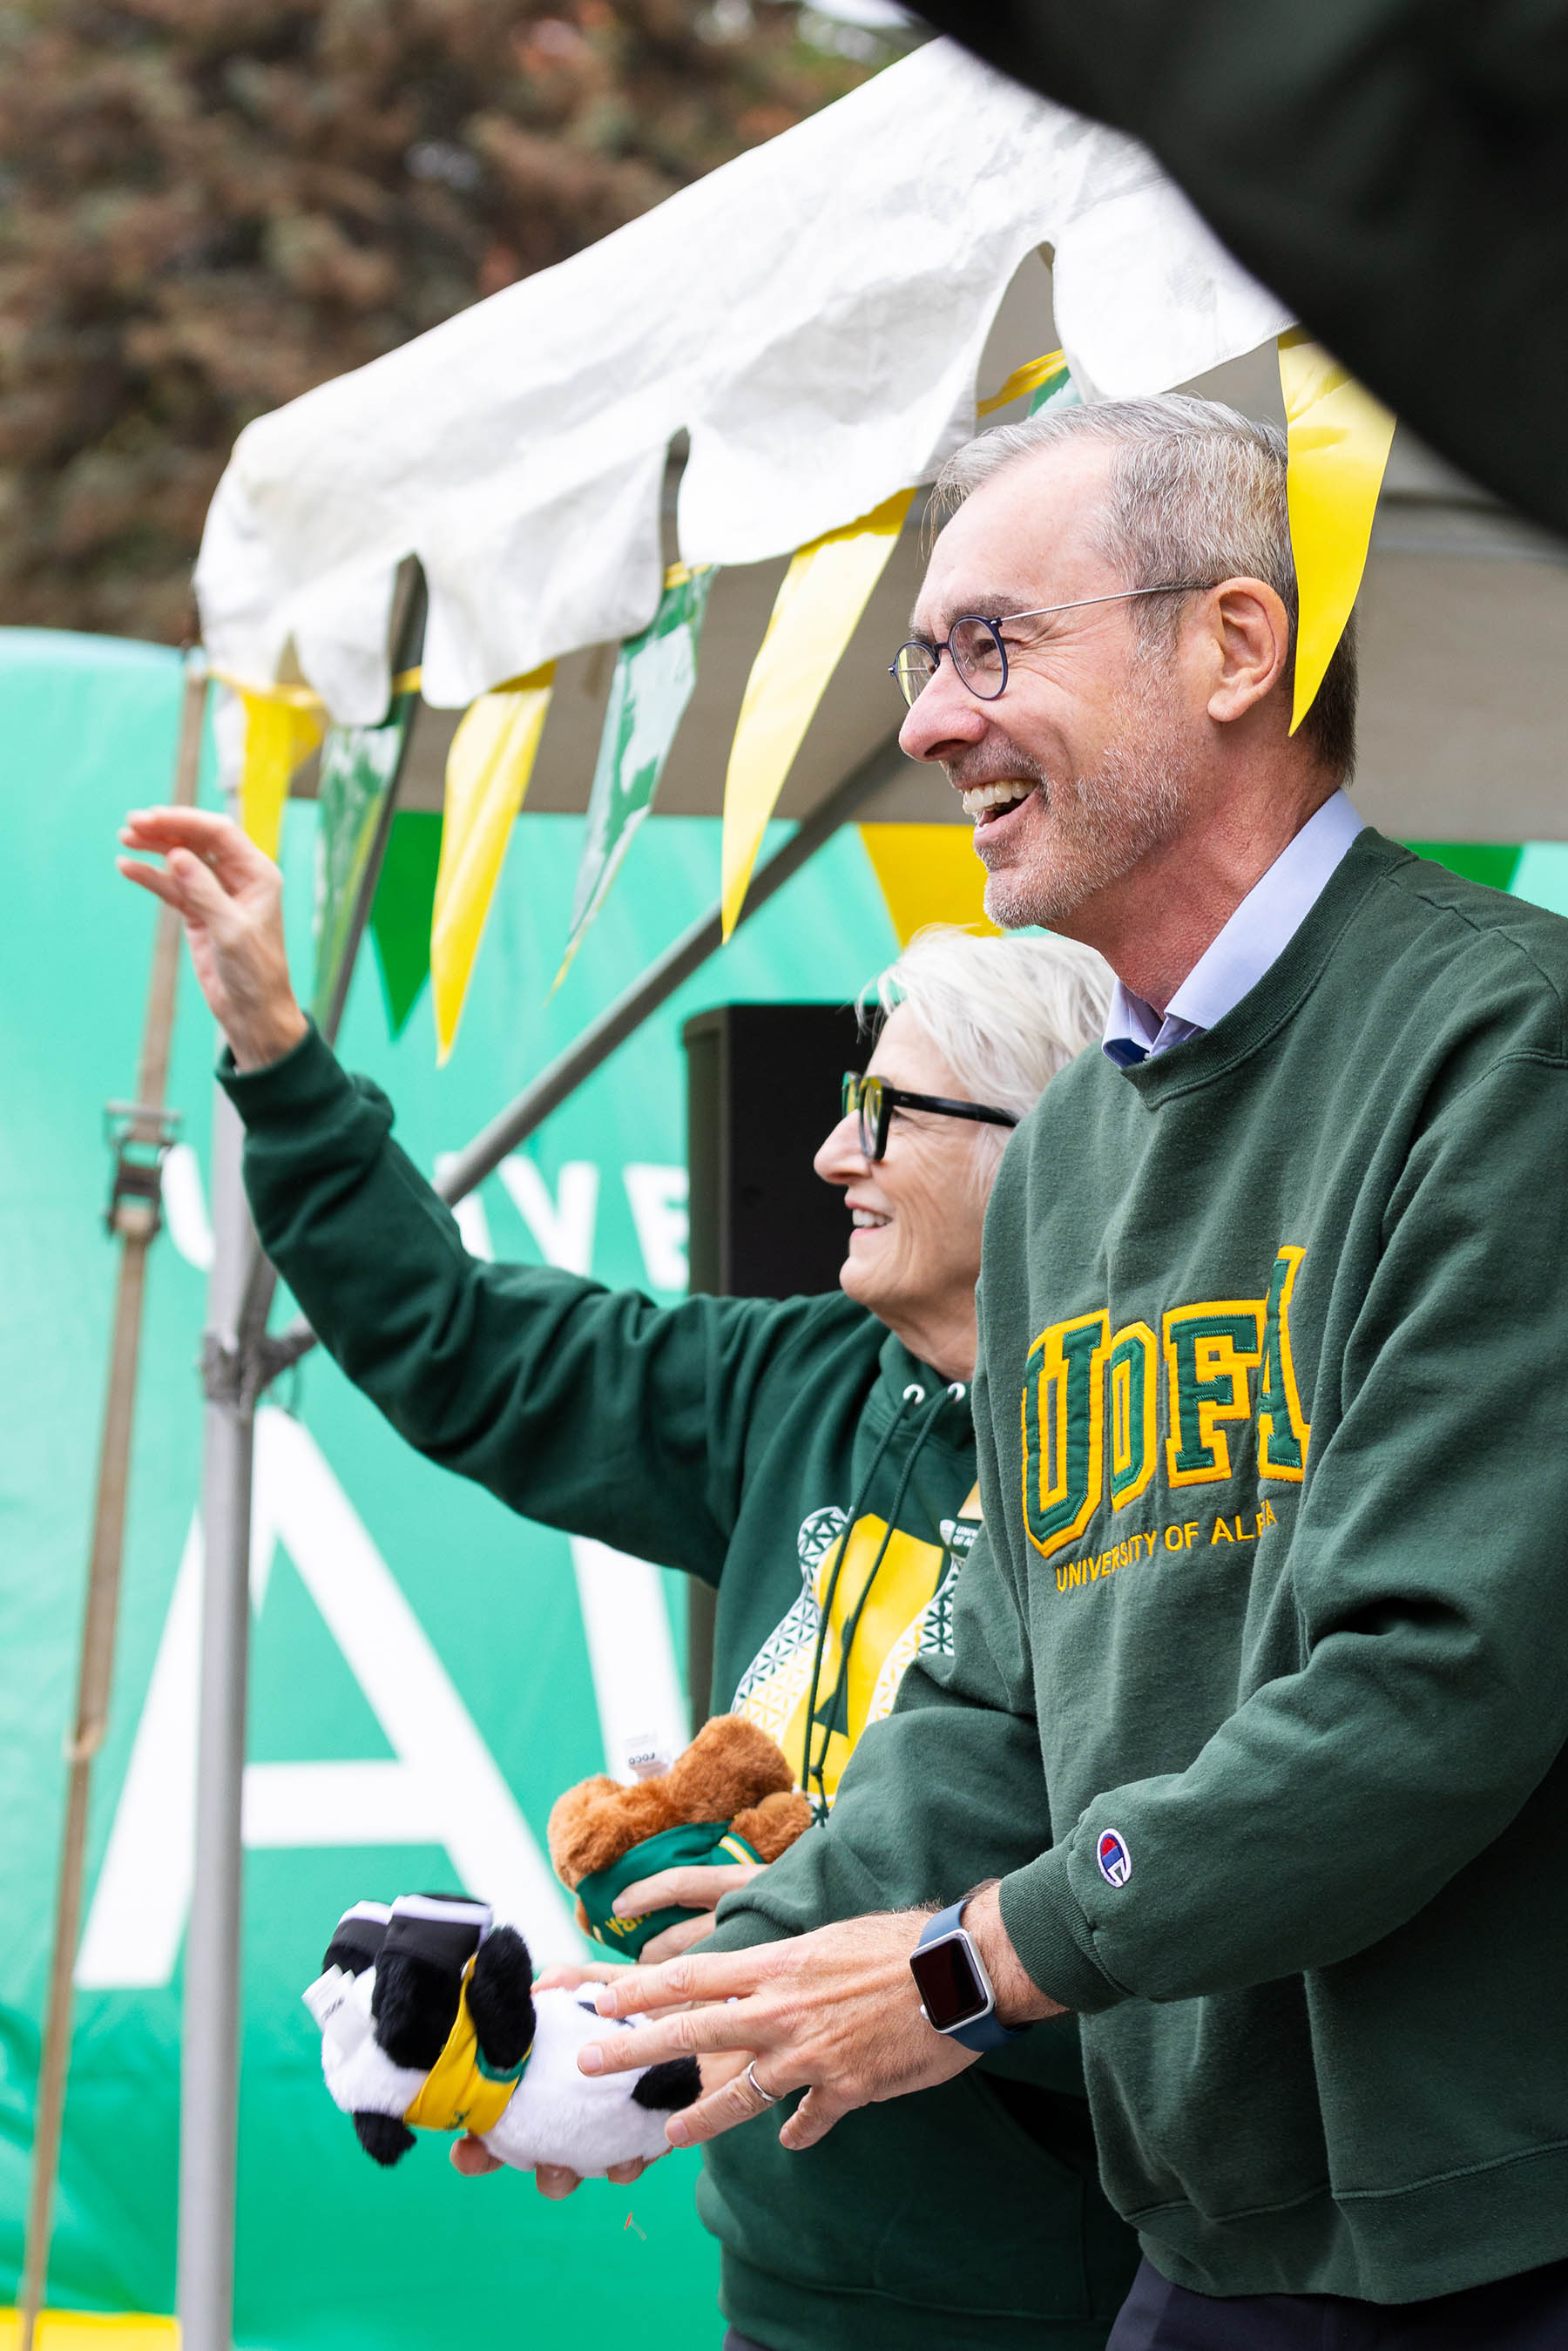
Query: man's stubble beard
(1097, 828)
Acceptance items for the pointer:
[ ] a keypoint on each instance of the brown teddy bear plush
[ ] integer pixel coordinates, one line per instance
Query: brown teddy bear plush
(730, 1797)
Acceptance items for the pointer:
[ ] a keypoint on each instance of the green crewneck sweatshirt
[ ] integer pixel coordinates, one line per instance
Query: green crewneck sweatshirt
(790, 1454)
(1271, 1606)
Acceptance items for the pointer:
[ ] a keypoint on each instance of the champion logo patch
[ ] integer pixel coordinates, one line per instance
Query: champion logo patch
(1110, 1852)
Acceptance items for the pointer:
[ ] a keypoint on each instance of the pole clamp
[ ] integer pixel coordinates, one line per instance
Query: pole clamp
(237, 1377)
(140, 1136)
(221, 1371)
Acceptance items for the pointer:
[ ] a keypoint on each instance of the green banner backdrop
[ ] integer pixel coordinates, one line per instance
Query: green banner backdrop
(428, 1673)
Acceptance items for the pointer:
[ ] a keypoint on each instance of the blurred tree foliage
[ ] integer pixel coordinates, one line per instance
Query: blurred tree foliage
(207, 206)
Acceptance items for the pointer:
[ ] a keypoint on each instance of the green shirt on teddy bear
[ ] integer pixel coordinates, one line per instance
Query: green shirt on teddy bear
(690, 1844)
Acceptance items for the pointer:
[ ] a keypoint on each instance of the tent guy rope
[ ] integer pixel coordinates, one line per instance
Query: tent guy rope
(141, 1132)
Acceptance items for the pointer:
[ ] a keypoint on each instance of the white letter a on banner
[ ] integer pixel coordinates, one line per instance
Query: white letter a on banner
(442, 1788)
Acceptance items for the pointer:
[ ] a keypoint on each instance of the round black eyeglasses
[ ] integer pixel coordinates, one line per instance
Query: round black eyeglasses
(979, 650)
(873, 1101)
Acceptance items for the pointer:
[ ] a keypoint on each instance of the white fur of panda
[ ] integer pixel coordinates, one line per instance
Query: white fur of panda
(556, 2115)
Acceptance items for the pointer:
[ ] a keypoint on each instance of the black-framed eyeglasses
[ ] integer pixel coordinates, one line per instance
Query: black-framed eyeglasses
(872, 1101)
(979, 652)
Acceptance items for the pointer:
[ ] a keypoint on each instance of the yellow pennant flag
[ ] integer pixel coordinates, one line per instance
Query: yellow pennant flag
(1339, 442)
(814, 616)
(283, 724)
(1034, 375)
(487, 771)
(929, 873)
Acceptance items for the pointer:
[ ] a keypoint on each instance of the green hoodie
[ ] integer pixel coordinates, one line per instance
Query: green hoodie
(737, 1439)
(1271, 1602)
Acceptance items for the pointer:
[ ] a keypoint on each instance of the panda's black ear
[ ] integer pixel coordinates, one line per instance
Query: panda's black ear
(429, 1941)
(414, 2004)
(357, 1938)
(501, 1999)
(384, 2139)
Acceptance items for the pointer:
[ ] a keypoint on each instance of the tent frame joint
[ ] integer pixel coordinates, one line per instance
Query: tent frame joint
(236, 1373)
(223, 1379)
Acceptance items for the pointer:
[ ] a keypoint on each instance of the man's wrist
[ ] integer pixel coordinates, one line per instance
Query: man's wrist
(1019, 2000)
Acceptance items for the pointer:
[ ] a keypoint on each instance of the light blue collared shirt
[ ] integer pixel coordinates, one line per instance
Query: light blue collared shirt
(1257, 932)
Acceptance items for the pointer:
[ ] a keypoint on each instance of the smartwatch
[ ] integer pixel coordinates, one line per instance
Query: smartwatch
(955, 1994)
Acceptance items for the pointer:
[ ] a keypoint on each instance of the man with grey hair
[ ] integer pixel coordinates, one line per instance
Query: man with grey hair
(1266, 1615)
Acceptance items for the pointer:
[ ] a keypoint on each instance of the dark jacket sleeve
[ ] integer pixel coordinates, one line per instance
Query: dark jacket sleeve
(945, 1795)
(946, 1792)
(949, 1790)
(592, 1410)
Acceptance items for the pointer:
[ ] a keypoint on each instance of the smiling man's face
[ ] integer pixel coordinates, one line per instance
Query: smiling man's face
(1078, 771)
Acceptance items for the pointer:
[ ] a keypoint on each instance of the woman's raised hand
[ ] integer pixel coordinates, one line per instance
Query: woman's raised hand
(230, 899)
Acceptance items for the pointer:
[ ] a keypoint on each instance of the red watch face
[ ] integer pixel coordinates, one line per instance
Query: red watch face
(950, 1990)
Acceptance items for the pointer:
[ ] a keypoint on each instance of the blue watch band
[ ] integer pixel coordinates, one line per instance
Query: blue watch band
(988, 2032)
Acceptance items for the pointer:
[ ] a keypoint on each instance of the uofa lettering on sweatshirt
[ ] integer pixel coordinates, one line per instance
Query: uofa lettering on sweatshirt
(1272, 1602)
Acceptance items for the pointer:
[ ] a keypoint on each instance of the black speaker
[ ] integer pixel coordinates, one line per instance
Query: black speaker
(762, 1091)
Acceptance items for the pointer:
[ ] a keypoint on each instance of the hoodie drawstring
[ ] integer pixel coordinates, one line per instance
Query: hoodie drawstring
(814, 1765)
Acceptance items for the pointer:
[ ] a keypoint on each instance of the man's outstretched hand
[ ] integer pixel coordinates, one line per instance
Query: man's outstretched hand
(834, 2013)
(230, 899)
(474, 2159)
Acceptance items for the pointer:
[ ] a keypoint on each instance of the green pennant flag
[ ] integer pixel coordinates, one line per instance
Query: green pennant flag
(654, 675)
(358, 770)
(403, 909)
(1058, 391)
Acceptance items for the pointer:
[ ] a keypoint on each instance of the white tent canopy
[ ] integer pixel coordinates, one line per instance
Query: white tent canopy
(812, 316)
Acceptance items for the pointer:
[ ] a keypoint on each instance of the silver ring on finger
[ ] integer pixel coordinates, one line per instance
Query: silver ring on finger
(769, 2097)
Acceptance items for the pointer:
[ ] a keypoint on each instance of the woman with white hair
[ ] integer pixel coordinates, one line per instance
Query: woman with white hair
(812, 1459)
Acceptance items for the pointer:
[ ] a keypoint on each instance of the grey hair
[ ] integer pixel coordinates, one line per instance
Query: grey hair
(1005, 1014)
(1198, 495)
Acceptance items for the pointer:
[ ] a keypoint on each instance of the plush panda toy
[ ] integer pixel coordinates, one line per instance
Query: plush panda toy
(428, 2017)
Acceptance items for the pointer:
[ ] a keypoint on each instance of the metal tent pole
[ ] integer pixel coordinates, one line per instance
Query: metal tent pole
(469, 1167)
(209, 2075)
(236, 1364)
(142, 1132)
